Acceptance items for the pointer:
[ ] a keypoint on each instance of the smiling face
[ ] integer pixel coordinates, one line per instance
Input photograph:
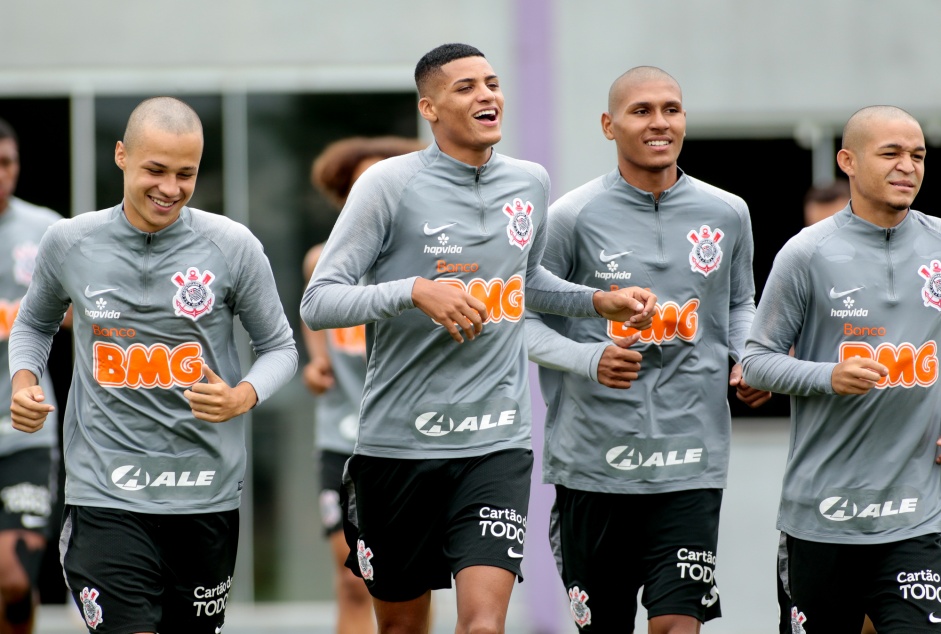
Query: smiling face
(886, 165)
(464, 105)
(159, 175)
(647, 122)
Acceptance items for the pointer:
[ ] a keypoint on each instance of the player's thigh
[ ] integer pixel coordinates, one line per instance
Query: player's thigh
(598, 549)
(682, 534)
(396, 531)
(112, 568)
(827, 584)
(907, 592)
(487, 512)
(25, 496)
(198, 553)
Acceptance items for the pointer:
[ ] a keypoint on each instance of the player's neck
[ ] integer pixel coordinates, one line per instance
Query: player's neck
(653, 181)
(469, 156)
(881, 216)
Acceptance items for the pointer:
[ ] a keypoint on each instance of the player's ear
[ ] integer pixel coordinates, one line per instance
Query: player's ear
(847, 162)
(606, 126)
(120, 155)
(427, 110)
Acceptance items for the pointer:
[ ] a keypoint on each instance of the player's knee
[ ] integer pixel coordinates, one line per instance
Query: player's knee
(352, 589)
(485, 624)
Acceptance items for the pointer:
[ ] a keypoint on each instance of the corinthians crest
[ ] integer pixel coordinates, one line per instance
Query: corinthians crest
(363, 555)
(24, 262)
(706, 254)
(520, 227)
(90, 609)
(193, 297)
(578, 606)
(931, 291)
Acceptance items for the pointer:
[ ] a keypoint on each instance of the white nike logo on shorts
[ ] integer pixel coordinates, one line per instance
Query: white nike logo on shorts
(933, 618)
(512, 553)
(835, 295)
(91, 293)
(430, 232)
(607, 258)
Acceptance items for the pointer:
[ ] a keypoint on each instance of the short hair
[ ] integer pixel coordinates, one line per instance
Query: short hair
(332, 170)
(7, 131)
(827, 193)
(166, 113)
(855, 129)
(431, 62)
(637, 75)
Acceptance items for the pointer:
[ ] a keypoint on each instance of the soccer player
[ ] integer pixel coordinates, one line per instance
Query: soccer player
(336, 373)
(858, 295)
(439, 479)
(154, 442)
(27, 462)
(639, 472)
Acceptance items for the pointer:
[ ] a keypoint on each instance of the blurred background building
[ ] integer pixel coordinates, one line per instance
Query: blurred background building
(767, 87)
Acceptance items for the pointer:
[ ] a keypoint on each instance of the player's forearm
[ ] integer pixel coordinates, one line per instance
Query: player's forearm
(330, 304)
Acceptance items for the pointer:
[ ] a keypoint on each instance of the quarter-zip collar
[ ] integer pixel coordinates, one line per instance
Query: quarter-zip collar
(454, 170)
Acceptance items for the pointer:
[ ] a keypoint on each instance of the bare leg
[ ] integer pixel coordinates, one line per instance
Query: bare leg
(15, 586)
(673, 624)
(354, 605)
(483, 596)
(404, 617)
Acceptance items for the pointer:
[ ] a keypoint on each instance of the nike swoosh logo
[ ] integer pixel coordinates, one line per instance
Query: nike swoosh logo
(835, 295)
(219, 629)
(430, 232)
(933, 618)
(512, 553)
(608, 258)
(91, 293)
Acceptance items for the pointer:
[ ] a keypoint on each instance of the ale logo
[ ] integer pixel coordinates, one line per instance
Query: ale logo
(429, 425)
(908, 366)
(503, 298)
(838, 509)
(670, 321)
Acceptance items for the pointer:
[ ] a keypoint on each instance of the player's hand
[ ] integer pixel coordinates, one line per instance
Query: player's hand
(618, 366)
(216, 402)
(318, 375)
(751, 396)
(458, 311)
(938, 459)
(632, 305)
(857, 375)
(28, 410)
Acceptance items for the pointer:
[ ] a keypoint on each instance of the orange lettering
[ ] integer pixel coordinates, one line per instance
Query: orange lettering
(350, 340)
(504, 299)
(8, 311)
(669, 322)
(147, 366)
(907, 365)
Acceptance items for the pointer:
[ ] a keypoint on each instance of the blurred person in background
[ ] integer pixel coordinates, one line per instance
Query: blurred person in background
(822, 201)
(336, 373)
(28, 462)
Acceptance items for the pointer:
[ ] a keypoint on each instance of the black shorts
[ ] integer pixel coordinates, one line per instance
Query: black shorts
(412, 524)
(331, 483)
(832, 586)
(609, 545)
(25, 492)
(137, 572)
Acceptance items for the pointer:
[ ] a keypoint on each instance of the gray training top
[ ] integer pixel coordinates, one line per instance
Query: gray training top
(150, 309)
(669, 431)
(861, 468)
(22, 226)
(337, 409)
(480, 229)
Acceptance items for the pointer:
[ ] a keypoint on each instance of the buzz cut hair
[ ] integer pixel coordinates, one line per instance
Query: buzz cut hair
(856, 129)
(164, 113)
(634, 76)
(7, 132)
(431, 62)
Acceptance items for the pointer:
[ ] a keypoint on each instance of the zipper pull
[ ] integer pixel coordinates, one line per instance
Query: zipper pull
(477, 177)
(150, 238)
